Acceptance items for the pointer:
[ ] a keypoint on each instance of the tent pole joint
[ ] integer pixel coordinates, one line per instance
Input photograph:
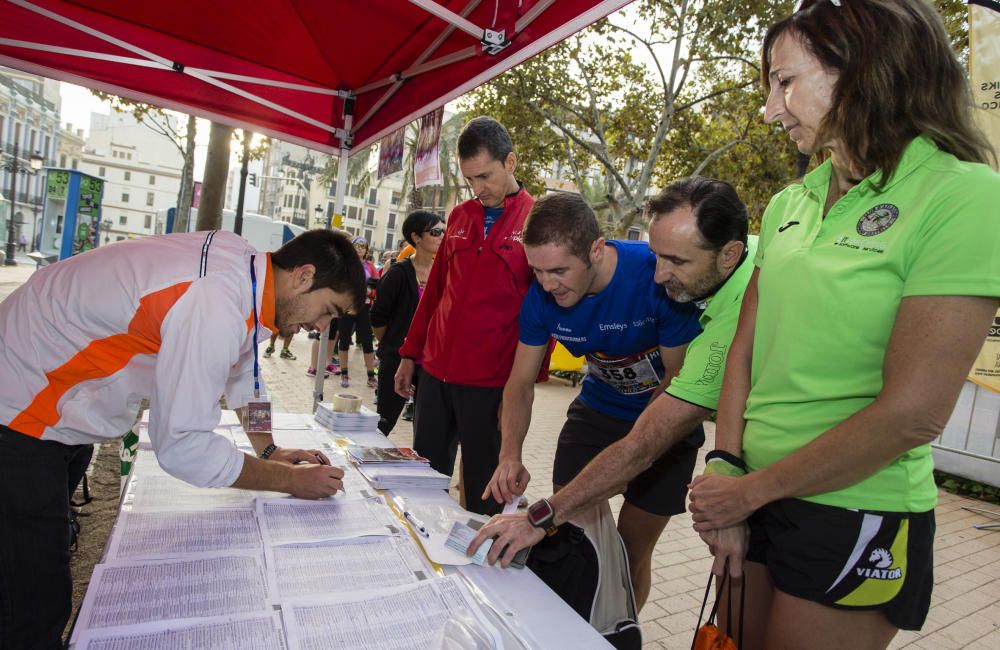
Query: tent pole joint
(177, 66)
(494, 42)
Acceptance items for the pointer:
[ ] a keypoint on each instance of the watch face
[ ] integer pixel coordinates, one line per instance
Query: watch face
(539, 511)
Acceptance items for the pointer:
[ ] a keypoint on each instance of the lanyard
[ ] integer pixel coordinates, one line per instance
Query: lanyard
(256, 327)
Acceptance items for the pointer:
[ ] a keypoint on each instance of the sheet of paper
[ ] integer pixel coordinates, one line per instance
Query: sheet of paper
(398, 618)
(251, 632)
(126, 593)
(296, 521)
(459, 539)
(168, 534)
(286, 421)
(162, 492)
(354, 565)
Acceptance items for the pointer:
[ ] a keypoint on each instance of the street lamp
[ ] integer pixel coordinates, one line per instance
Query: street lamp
(319, 213)
(35, 162)
(14, 166)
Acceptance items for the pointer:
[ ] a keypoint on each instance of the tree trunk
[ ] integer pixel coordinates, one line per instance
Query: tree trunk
(213, 187)
(186, 192)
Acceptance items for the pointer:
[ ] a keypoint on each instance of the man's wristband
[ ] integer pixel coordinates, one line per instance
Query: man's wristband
(722, 462)
(268, 450)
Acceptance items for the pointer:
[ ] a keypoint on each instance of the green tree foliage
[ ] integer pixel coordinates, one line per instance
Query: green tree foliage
(657, 91)
(156, 120)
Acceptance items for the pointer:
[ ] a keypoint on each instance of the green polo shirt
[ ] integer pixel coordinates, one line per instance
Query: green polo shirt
(828, 293)
(700, 378)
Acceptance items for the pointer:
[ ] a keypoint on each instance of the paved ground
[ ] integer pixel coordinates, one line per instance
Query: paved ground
(965, 610)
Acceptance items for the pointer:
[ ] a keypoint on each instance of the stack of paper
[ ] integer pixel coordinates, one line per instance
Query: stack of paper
(365, 421)
(394, 476)
(360, 454)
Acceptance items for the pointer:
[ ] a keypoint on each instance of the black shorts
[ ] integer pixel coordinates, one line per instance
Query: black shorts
(848, 559)
(660, 490)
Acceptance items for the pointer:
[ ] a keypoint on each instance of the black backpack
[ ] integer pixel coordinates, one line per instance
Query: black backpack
(596, 584)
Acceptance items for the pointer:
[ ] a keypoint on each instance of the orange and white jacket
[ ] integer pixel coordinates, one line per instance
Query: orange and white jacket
(82, 342)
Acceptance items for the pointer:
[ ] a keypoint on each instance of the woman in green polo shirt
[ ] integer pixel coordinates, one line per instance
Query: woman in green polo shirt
(877, 277)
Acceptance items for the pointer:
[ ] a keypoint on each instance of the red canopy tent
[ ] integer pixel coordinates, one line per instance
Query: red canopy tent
(327, 74)
(288, 68)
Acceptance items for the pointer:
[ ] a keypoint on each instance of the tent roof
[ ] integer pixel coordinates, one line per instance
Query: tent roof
(288, 67)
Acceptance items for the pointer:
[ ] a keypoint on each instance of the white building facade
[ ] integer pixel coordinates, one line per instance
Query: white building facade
(141, 169)
(29, 117)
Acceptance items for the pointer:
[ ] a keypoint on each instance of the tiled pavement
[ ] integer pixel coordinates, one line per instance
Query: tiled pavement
(965, 611)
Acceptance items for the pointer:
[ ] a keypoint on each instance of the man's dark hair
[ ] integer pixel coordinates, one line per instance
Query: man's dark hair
(419, 222)
(562, 218)
(718, 211)
(337, 265)
(484, 134)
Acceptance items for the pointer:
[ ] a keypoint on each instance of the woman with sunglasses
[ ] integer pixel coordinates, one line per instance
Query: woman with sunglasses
(396, 301)
(877, 278)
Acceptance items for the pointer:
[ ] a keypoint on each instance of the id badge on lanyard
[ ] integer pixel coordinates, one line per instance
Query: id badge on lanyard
(258, 418)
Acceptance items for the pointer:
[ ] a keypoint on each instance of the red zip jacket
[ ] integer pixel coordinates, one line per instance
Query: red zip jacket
(466, 325)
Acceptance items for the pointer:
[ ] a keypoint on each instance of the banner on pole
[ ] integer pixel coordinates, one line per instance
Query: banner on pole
(427, 162)
(390, 153)
(984, 75)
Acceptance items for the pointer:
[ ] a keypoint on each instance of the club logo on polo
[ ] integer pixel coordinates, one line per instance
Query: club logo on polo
(877, 220)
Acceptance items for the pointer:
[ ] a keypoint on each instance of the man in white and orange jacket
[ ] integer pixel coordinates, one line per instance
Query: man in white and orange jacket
(172, 319)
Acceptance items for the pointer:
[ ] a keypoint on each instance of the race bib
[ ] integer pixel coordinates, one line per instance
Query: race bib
(627, 375)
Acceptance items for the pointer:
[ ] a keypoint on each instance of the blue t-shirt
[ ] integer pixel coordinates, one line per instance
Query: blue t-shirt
(620, 329)
(492, 216)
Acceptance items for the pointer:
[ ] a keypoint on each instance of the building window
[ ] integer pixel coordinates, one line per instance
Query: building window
(372, 195)
(331, 190)
(634, 234)
(352, 212)
(391, 223)
(119, 238)
(152, 180)
(48, 145)
(370, 217)
(390, 241)
(122, 220)
(395, 198)
(149, 199)
(62, 160)
(352, 230)
(128, 176)
(76, 163)
(129, 156)
(124, 197)
(148, 222)
(368, 235)
(102, 172)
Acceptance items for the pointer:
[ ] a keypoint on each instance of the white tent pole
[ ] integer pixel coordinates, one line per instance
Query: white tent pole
(452, 18)
(338, 208)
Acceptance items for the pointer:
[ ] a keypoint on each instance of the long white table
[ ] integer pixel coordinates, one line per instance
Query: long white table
(206, 563)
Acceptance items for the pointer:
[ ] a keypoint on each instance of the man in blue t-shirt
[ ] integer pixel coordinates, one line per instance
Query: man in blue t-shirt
(598, 298)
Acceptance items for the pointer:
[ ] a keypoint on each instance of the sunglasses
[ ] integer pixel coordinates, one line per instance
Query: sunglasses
(435, 232)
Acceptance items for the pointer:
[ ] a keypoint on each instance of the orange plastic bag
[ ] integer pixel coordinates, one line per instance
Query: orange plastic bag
(709, 636)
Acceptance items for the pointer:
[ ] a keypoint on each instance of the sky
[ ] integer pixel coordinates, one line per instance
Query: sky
(77, 105)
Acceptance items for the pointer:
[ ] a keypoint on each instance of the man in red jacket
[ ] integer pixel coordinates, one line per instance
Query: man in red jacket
(465, 330)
